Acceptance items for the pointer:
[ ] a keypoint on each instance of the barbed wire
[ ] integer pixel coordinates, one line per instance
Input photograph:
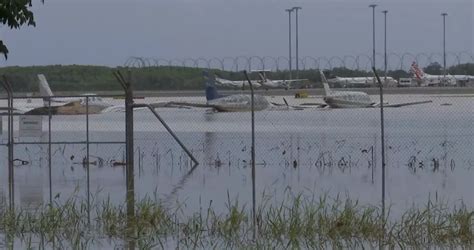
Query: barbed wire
(395, 61)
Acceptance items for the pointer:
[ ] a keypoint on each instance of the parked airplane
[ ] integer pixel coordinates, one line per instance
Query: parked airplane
(361, 81)
(268, 83)
(236, 84)
(229, 103)
(432, 80)
(353, 99)
(70, 105)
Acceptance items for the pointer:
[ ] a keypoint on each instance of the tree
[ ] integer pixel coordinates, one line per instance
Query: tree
(434, 68)
(15, 13)
(462, 69)
(397, 74)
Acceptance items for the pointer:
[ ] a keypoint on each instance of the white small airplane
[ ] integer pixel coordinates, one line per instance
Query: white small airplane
(229, 103)
(352, 99)
(235, 84)
(70, 105)
(432, 80)
(268, 83)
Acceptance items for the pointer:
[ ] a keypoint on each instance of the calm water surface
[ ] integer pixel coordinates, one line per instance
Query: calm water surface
(314, 152)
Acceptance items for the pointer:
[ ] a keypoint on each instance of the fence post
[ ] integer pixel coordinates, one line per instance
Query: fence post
(88, 163)
(11, 176)
(382, 144)
(254, 212)
(49, 154)
(129, 148)
(129, 172)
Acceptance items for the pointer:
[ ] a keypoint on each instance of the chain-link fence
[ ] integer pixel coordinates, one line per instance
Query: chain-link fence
(298, 148)
(55, 139)
(76, 146)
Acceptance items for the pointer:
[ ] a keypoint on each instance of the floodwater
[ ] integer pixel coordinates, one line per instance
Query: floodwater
(429, 155)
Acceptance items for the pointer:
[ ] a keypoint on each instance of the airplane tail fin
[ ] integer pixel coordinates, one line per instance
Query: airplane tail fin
(44, 89)
(205, 74)
(211, 89)
(262, 76)
(327, 90)
(417, 71)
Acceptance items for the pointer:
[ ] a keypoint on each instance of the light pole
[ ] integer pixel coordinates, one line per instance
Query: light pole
(385, 45)
(289, 38)
(373, 33)
(444, 46)
(297, 60)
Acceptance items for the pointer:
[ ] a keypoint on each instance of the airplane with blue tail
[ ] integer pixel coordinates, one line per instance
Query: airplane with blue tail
(229, 103)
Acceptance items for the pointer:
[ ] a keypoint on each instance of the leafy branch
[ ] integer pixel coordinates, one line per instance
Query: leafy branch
(14, 14)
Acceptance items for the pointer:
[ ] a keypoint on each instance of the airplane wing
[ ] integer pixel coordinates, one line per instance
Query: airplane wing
(20, 107)
(314, 104)
(375, 105)
(4, 111)
(186, 105)
(296, 80)
(405, 104)
(228, 106)
(286, 106)
(71, 108)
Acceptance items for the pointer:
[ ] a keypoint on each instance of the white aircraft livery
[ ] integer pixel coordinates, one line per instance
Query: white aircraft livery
(361, 81)
(425, 79)
(353, 99)
(235, 84)
(268, 83)
(70, 105)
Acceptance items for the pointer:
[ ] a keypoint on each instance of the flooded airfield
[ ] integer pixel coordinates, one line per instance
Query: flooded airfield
(311, 152)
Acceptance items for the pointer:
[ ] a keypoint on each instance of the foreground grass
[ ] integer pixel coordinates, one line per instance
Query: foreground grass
(297, 223)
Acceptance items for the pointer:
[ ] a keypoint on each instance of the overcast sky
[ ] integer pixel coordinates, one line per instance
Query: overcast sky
(107, 32)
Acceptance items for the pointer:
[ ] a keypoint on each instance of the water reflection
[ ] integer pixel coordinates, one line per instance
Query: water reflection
(30, 186)
(335, 150)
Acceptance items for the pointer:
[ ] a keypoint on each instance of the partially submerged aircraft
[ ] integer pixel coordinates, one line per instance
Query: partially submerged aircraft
(70, 105)
(352, 99)
(434, 80)
(232, 103)
(229, 103)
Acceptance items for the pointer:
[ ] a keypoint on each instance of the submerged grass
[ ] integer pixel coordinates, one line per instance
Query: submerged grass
(297, 222)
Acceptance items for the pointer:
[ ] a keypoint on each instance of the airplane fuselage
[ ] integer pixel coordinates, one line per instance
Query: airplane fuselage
(236, 84)
(430, 80)
(348, 99)
(274, 84)
(239, 103)
(361, 81)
